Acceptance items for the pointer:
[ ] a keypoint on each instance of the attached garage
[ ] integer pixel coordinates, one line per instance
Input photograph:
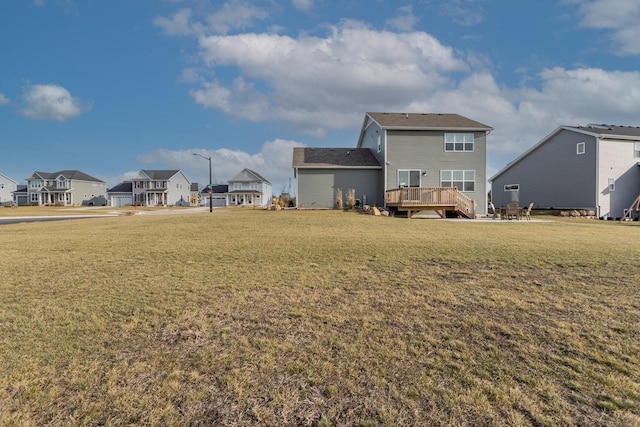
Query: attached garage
(120, 195)
(320, 172)
(120, 200)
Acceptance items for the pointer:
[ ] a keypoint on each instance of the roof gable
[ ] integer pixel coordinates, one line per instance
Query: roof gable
(247, 175)
(7, 178)
(305, 157)
(596, 131)
(154, 174)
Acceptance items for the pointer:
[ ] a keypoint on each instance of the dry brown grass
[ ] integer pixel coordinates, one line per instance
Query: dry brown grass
(250, 317)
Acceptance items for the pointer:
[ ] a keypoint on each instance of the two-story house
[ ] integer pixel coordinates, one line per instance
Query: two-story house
(249, 188)
(160, 188)
(7, 187)
(593, 167)
(404, 161)
(65, 188)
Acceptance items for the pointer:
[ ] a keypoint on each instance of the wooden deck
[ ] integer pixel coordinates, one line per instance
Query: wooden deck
(438, 199)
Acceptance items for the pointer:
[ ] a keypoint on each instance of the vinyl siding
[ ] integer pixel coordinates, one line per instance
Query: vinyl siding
(424, 150)
(553, 175)
(616, 160)
(317, 187)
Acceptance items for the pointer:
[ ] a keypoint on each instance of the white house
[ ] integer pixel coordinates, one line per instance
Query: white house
(161, 188)
(7, 187)
(249, 188)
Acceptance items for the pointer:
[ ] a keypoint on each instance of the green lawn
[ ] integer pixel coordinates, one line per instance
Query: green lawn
(251, 317)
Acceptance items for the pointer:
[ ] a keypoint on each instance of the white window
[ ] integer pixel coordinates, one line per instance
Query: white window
(34, 197)
(612, 184)
(237, 185)
(512, 187)
(461, 179)
(636, 150)
(408, 178)
(580, 148)
(458, 142)
(379, 143)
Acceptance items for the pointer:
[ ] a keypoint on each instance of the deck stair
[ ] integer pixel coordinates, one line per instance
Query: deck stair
(633, 213)
(439, 199)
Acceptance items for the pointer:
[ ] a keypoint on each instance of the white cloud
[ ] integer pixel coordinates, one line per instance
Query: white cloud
(618, 16)
(273, 162)
(178, 25)
(4, 100)
(317, 82)
(51, 102)
(405, 20)
(233, 15)
(303, 5)
(463, 13)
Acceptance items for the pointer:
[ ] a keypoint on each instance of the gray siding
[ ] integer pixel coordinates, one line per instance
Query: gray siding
(553, 175)
(316, 187)
(424, 150)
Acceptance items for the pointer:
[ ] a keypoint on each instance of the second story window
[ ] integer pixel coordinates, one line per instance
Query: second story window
(458, 142)
(636, 150)
(580, 148)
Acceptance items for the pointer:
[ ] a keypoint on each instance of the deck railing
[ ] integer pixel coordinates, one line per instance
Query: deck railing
(431, 198)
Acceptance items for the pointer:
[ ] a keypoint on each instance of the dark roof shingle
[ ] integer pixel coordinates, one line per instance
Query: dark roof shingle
(334, 157)
(426, 121)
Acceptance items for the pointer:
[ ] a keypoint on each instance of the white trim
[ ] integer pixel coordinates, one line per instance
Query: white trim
(581, 148)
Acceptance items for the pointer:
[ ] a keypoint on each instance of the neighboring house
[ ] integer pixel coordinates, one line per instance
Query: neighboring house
(20, 197)
(120, 195)
(248, 188)
(7, 187)
(161, 188)
(593, 167)
(218, 196)
(407, 150)
(65, 188)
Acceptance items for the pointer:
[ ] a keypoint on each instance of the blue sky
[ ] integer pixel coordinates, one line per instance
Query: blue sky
(114, 86)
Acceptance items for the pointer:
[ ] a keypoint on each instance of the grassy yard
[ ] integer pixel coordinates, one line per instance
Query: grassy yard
(248, 317)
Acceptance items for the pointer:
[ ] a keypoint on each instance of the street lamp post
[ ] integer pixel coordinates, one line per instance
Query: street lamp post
(210, 181)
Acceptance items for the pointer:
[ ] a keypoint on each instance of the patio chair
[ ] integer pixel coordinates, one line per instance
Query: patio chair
(512, 211)
(526, 212)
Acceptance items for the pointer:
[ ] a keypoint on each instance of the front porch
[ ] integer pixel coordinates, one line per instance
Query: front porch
(54, 197)
(438, 199)
(151, 198)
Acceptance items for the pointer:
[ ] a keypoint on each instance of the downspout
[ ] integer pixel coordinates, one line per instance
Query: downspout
(597, 199)
(384, 170)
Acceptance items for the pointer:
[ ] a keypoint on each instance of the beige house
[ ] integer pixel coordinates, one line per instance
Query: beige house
(65, 188)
